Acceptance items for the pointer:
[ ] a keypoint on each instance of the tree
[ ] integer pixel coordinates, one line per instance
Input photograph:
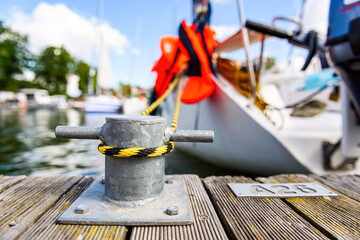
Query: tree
(94, 83)
(83, 71)
(14, 57)
(125, 90)
(51, 68)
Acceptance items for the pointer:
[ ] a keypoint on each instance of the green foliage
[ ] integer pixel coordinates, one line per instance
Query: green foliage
(125, 90)
(269, 63)
(95, 81)
(51, 68)
(1, 27)
(83, 71)
(17, 84)
(14, 57)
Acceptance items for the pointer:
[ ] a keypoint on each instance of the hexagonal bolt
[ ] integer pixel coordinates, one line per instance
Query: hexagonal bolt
(172, 210)
(82, 209)
(169, 181)
(12, 224)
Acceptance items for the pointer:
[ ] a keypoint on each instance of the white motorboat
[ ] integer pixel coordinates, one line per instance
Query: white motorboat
(40, 99)
(37, 98)
(102, 104)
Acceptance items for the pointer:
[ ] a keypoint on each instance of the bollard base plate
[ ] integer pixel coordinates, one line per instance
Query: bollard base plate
(102, 212)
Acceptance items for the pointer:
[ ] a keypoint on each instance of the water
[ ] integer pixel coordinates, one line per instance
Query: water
(28, 147)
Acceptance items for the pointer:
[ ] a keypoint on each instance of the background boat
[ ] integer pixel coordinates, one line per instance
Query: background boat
(103, 101)
(102, 104)
(40, 99)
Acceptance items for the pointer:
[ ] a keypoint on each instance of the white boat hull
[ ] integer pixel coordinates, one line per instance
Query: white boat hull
(134, 106)
(246, 140)
(101, 108)
(102, 104)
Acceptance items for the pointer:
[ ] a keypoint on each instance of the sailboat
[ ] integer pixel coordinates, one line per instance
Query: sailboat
(134, 105)
(103, 101)
(270, 140)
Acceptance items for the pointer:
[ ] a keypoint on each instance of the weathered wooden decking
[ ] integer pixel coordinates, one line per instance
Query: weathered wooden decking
(29, 208)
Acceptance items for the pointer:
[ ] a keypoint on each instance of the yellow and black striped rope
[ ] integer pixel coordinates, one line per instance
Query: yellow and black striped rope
(135, 152)
(162, 98)
(177, 107)
(149, 152)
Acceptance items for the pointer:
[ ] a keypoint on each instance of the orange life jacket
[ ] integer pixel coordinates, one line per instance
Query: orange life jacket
(170, 62)
(197, 88)
(176, 53)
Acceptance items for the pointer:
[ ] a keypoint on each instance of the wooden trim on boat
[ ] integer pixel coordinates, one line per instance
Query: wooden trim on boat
(234, 42)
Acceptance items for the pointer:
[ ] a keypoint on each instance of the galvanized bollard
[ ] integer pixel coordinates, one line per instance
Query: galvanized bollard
(136, 183)
(129, 179)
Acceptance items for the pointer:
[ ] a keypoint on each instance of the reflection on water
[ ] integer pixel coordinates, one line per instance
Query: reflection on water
(28, 146)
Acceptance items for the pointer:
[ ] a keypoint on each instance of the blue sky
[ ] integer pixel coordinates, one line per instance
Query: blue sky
(49, 21)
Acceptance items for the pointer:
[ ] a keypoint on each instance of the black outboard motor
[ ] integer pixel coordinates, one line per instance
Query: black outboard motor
(343, 43)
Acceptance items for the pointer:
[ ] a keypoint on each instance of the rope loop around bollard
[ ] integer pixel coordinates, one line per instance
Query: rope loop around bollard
(150, 152)
(136, 152)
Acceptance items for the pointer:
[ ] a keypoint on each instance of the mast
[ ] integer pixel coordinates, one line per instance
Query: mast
(134, 55)
(245, 42)
(300, 16)
(104, 76)
(197, 5)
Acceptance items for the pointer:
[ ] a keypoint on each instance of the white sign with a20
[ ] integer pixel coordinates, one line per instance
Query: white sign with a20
(280, 190)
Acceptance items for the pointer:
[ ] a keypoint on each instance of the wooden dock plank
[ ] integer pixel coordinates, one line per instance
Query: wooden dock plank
(24, 203)
(206, 222)
(47, 228)
(8, 181)
(348, 185)
(337, 217)
(256, 218)
(29, 208)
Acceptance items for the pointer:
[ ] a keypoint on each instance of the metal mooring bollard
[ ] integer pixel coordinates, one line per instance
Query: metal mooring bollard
(135, 181)
(129, 179)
